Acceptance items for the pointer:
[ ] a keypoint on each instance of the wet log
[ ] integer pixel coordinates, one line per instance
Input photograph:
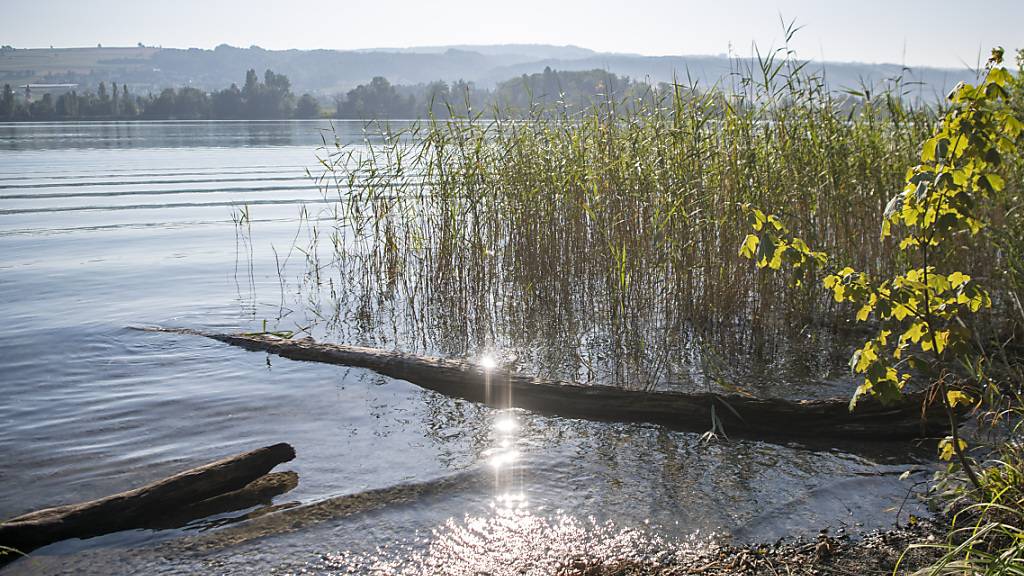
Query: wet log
(739, 415)
(146, 506)
(258, 493)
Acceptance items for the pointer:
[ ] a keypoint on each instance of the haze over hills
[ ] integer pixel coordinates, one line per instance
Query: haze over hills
(328, 72)
(531, 51)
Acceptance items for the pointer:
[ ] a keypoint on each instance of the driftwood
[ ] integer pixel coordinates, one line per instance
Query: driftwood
(740, 415)
(260, 492)
(213, 488)
(292, 517)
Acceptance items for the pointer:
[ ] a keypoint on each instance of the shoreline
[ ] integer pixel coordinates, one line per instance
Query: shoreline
(876, 552)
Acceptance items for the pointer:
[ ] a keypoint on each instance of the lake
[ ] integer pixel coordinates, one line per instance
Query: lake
(106, 227)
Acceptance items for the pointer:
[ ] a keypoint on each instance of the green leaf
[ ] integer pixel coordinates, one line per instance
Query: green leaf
(888, 392)
(928, 150)
(946, 449)
(1012, 126)
(980, 299)
(957, 279)
(867, 357)
(908, 242)
(995, 182)
(886, 227)
(839, 292)
(759, 219)
(862, 390)
(955, 397)
(749, 247)
(960, 146)
(916, 331)
(999, 76)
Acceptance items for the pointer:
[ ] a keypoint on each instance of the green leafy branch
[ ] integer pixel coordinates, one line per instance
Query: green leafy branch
(924, 306)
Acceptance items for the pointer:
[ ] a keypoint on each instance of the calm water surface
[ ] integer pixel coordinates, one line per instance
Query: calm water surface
(105, 227)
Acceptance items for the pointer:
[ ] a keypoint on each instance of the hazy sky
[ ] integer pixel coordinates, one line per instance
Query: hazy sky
(915, 32)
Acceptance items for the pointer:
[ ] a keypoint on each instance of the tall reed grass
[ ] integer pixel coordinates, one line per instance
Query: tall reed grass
(602, 243)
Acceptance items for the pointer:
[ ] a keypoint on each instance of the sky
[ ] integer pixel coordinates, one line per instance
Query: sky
(912, 32)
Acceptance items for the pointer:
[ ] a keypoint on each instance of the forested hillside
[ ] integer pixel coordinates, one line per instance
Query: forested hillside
(327, 72)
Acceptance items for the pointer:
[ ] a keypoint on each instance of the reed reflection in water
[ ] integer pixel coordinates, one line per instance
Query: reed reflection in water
(538, 309)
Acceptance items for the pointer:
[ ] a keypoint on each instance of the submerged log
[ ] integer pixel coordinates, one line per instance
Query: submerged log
(741, 415)
(259, 492)
(146, 506)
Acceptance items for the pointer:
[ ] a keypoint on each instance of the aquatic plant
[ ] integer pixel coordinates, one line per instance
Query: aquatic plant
(599, 243)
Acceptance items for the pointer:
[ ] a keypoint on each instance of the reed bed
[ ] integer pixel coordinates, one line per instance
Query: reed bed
(602, 243)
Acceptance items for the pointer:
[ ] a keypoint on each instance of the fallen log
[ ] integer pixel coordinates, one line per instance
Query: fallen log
(740, 415)
(259, 492)
(293, 518)
(145, 506)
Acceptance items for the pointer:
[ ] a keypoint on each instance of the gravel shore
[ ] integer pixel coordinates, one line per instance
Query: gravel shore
(828, 554)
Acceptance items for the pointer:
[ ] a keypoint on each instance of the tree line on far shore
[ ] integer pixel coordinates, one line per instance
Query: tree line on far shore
(271, 98)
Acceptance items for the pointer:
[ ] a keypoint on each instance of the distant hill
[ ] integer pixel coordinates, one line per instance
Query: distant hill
(328, 72)
(527, 51)
(706, 71)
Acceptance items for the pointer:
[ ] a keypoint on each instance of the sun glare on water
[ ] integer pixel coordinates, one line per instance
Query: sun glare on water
(487, 362)
(505, 425)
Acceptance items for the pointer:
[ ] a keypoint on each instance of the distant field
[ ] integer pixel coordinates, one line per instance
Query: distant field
(43, 61)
